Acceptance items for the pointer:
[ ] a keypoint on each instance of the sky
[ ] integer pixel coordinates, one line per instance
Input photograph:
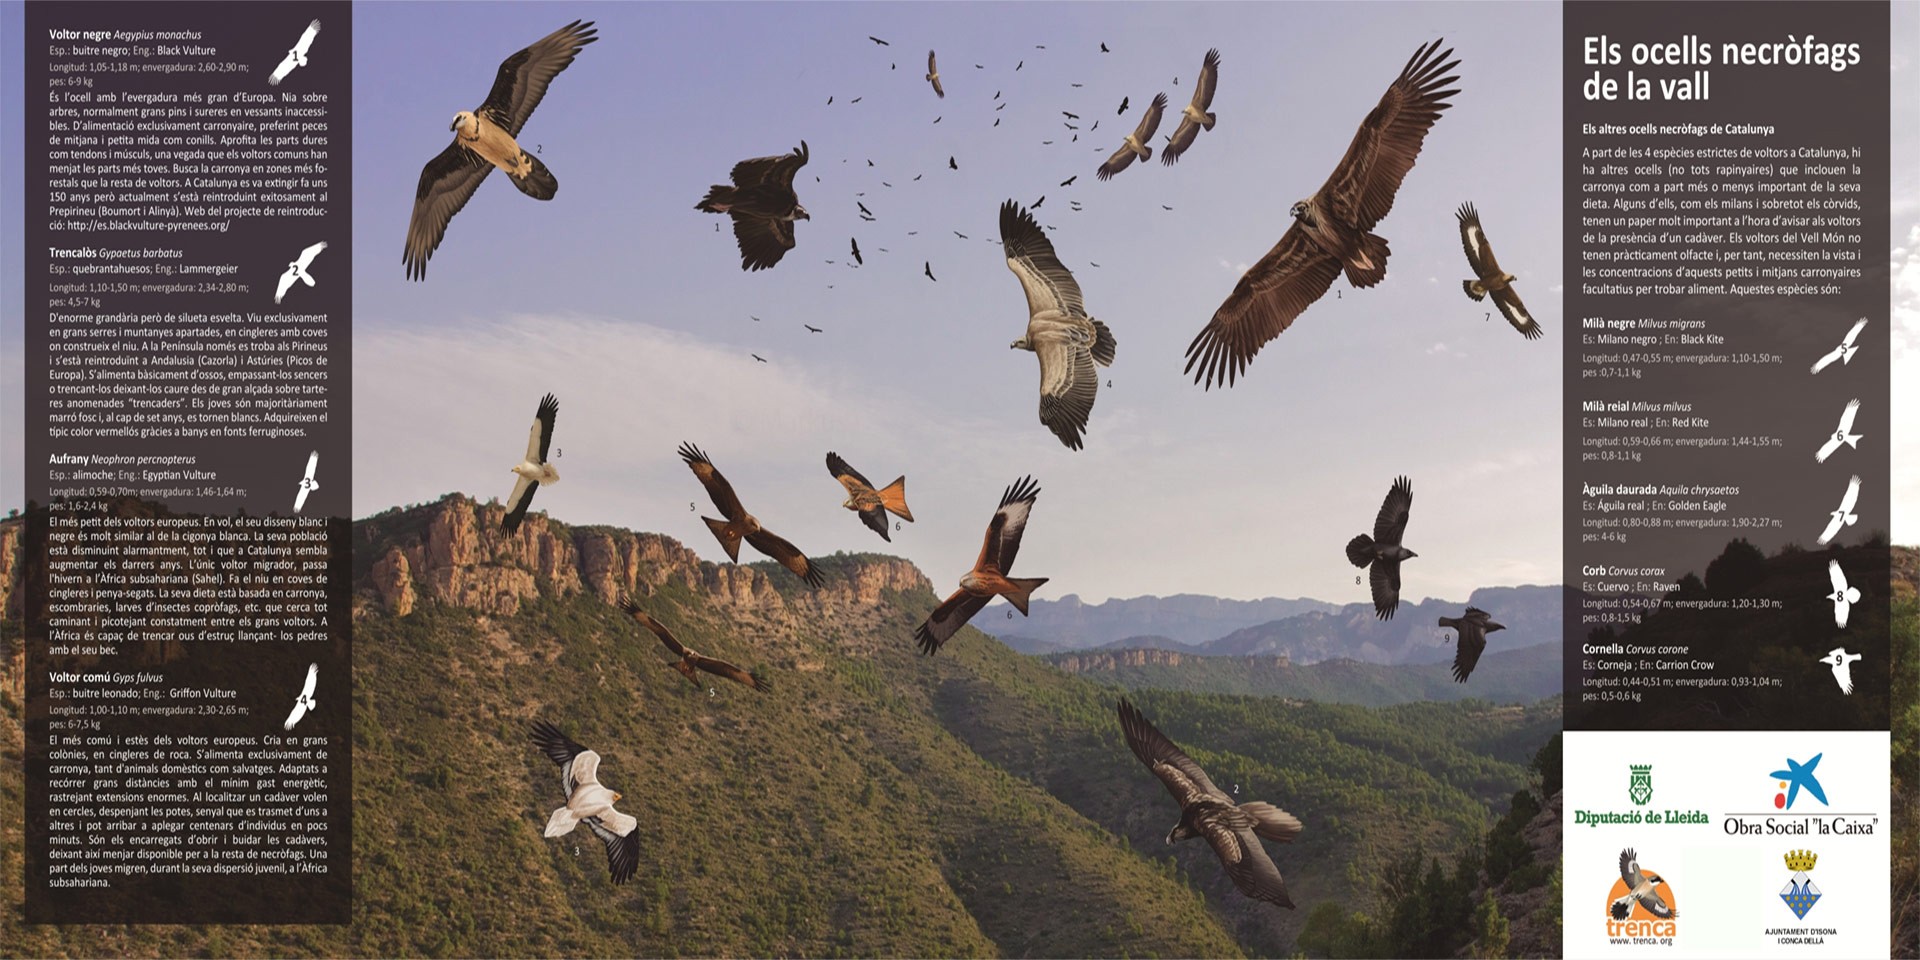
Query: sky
(623, 300)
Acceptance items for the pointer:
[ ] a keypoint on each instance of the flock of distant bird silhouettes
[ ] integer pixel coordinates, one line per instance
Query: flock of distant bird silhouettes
(1330, 235)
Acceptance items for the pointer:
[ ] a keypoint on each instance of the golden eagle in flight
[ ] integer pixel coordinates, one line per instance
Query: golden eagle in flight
(1488, 277)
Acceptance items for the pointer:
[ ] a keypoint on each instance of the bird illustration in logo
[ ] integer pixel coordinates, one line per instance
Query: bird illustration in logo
(1640, 889)
(1795, 777)
(1841, 661)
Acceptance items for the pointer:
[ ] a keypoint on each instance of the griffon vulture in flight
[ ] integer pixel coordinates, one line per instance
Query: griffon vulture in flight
(988, 578)
(534, 471)
(1842, 435)
(588, 802)
(1640, 889)
(1066, 340)
(1194, 116)
(1844, 596)
(1232, 829)
(739, 524)
(933, 75)
(1330, 231)
(1473, 628)
(1135, 145)
(296, 57)
(872, 505)
(763, 206)
(691, 662)
(297, 270)
(1383, 551)
(1845, 351)
(1843, 517)
(304, 703)
(484, 138)
(1488, 277)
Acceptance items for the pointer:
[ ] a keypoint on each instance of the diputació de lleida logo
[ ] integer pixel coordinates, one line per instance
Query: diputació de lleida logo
(1800, 894)
(1641, 907)
(1640, 786)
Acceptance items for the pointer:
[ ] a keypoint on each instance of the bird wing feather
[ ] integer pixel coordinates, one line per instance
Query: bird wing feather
(1152, 747)
(1251, 869)
(1294, 274)
(523, 78)
(1391, 523)
(1047, 282)
(1068, 380)
(947, 619)
(787, 555)
(447, 182)
(718, 489)
(1362, 187)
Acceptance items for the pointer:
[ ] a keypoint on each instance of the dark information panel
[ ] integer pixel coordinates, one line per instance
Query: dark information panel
(1727, 373)
(188, 407)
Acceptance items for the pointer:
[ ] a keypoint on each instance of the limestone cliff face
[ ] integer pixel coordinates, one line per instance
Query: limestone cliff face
(453, 552)
(1102, 661)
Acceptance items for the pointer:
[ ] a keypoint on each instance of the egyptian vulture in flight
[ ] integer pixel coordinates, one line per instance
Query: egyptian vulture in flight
(1383, 551)
(1136, 143)
(1194, 116)
(485, 138)
(1844, 596)
(1843, 517)
(933, 75)
(1232, 829)
(1473, 627)
(739, 524)
(1066, 340)
(534, 471)
(988, 578)
(1842, 434)
(1330, 231)
(588, 802)
(1640, 889)
(297, 271)
(1845, 351)
(763, 206)
(1489, 278)
(872, 505)
(304, 703)
(691, 662)
(296, 57)
(307, 485)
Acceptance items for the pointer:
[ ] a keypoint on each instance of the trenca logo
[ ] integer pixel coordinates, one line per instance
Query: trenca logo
(1800, 894)
(1640, 785)
(1796, 777)
(1641, 907)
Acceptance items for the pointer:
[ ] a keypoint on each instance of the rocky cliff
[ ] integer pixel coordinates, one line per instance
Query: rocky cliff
(1104, 661)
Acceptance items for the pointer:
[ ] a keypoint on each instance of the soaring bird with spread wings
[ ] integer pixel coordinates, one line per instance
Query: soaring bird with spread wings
(872, 505)
(691, 662)
(588, 802)
(1066, 340)
(1842, 435)
(297, 271)
(304, 703)
(1845, 351)
(1382, 551)
(296, 57)
(307, 484)
(988, 578)
(739, 524)
(763, 206)
(1194, 116)
(1330, 231)
(1640, 889)
(1843, 517)
(1488, 277)
(533, 470)
(1231, 828)
(1844, 595)
(933, 75)
(1136, 143)
(485, 138)
(1473, 627)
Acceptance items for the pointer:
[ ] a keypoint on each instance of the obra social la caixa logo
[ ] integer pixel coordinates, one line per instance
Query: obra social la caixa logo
(1641, 907)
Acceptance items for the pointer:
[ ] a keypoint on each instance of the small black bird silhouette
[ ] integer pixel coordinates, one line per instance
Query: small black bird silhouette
(960, 235)
(1036, 204)
(1039, 46)
(856, 100)
(812, 328)
(996, 122)
(863, 208)
(951, 165)
(869, 219)
(936, 119)
(1103, 49)
(978, 67)
(1046, 143)
(1383, 551)
(913, 233)
(886, 184)
(1069, 126)
(999, 108)
(869, 163)
(1017, 66)
(758, 357)
(1123, 105)
(879, 41)
(829, 101)
(856, 252)
(1077, 86)
(1091, 262)
(1165, 207)
(917, 176)
(1070, 116)
(996, 94)
(753, 318)
(1068, 182)
(1096, 126)
(929, 270)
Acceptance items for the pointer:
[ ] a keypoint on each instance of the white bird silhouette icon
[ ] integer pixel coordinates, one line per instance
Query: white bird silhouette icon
(1843, 596)
(1840, 660)
(1843, 517)
(304, 702)
(1842, 434)
(297, 270)
(306, 483)
(1845, 351)
(297, 57)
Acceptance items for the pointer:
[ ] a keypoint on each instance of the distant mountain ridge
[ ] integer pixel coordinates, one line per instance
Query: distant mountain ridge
(1184, 618)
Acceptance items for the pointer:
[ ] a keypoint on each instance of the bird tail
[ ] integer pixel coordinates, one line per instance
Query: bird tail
(1474, 289)
(893, 496)
(549, 474)
(719, 199)
(1146, 153)
(1103, 344)
(1360, 550)
(561, 823)
(1368, 265)
(1022, 590)
(728, 535)
(1207, 123)
(1272, 822)
(539, 182)
(1620, 908)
